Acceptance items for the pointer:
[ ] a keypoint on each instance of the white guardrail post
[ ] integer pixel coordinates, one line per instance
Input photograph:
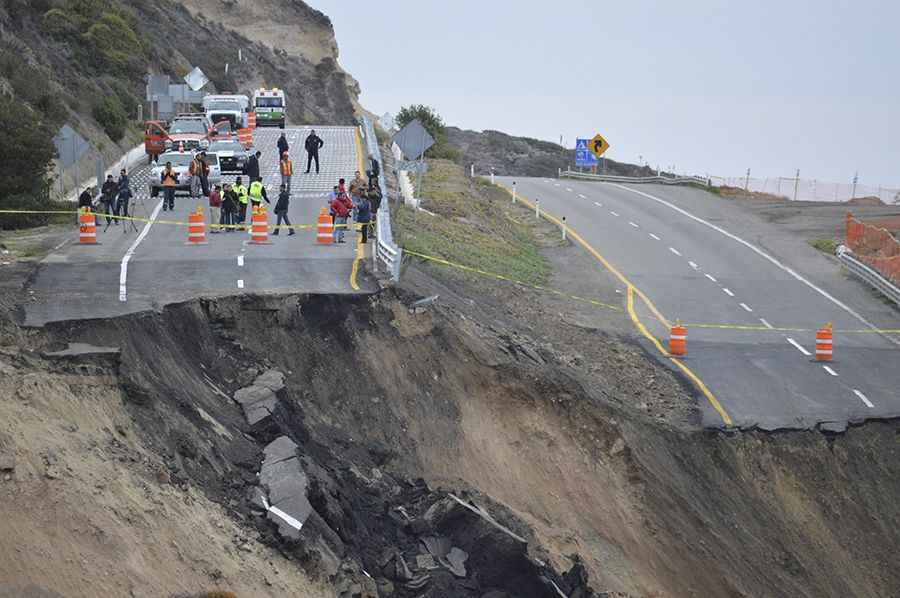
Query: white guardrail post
(386, 251)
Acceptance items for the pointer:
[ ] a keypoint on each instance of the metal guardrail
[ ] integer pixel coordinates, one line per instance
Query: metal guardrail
(681, 180)
(386, 251)
(868, 274)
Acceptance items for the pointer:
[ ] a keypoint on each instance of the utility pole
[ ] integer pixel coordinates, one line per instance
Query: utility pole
(855, 180)
(796, 184)
(747, 181)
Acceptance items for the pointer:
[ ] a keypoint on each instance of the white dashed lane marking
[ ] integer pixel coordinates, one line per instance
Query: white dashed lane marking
(569, 190)
(613, 213)
(582, 196)
(655, 237)
(675, 251)
(240, 260)
(799, 347)
(598, 204)
(864, 399)
(746, 307)
(634, 225)
(728, 292)
(829, 370)
(240, 283)
(693, 265)
(711, 277)
(766, 324)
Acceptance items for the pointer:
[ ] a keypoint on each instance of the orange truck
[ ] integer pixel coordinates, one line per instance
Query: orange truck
(155, 136)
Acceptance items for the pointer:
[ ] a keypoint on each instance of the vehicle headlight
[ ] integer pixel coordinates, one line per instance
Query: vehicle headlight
(204, 143)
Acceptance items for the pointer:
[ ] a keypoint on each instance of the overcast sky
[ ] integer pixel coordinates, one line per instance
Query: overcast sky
(711, 87)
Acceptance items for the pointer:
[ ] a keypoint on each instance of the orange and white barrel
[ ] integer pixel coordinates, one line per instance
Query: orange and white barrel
(325, 228)
(87, 227)
(678, 341)
(251, 120)
(259, 226)
(824, 347)
(196, 227)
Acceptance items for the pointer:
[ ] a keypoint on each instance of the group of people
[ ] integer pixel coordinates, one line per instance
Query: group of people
(115, 197)
(361, 200)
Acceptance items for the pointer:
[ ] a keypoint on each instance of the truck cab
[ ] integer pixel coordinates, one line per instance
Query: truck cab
(270, 106)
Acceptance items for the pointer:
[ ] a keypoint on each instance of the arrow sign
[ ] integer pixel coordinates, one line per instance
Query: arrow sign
(598, 145)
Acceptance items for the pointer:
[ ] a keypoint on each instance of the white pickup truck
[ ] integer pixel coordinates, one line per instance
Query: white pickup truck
(232, 108)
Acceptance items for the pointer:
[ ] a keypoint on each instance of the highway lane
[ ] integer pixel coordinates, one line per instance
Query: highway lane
(80, 281)
(765, 377)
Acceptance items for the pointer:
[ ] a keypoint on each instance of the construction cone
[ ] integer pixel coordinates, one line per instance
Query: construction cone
(259, 226)
(678, 340)
(196, 228)
(87, 227)
(325, 228)
(824, 350)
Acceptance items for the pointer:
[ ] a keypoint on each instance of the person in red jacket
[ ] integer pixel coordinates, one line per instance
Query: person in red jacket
(340, 207)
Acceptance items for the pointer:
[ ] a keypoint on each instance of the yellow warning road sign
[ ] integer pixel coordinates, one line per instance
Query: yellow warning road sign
(598, 145)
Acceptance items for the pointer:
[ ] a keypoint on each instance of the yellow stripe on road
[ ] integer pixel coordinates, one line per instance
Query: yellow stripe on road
(632, 290)
(354, 272)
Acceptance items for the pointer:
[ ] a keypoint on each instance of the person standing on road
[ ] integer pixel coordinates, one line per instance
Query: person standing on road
(204, 174)
(374, 195)
(215, 209)
(108, 193)
(281, 210)
(258, 193)
(169, 180)
(340, 207)
(86, 200)
(252, 168)
(243, 200)
(229, 209)
(123, 182)
(374, 170)
(194, 170)
(363, 216)
(124, 197)
(357, 185)
(313, 144)
(282, 145)
(287, 171)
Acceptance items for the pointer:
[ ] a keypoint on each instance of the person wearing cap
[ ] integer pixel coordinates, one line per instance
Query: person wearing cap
(287, 171)
(281, 210)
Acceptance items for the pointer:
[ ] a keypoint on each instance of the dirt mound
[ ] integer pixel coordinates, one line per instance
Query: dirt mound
(865, 201)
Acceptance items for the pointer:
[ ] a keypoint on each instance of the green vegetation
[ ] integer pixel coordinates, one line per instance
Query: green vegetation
(824, 245)
(111, 115)
(434, 124)
(473, 225)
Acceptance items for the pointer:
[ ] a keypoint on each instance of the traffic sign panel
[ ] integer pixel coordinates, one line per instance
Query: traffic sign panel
(598, 145)
(583, 156)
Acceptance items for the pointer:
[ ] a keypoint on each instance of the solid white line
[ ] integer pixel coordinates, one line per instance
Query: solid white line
(746, 307)
(829, 370)
(613, 213)
(655, 237)
(799, 347)
(727, 292)
(634, 225)
(240, 259)
(762, 254)
(123, 269)
(711, 277)
(240, 283)
(766, 324)
(675, 251)
(864, 399)
(693, 265)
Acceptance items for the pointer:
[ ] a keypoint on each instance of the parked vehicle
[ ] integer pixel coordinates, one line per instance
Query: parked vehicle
(192, 132)
(181, 162)
(270, 106)
(231, 108)
(155, 136)
(232, 155)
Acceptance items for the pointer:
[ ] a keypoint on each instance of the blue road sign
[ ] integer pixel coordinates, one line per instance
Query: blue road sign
(583, 156)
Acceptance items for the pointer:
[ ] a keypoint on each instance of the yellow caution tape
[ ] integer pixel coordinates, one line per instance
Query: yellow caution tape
(537, 287)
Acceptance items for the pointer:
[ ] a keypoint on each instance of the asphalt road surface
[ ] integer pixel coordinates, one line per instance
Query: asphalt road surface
(706, 262)
(150, 264)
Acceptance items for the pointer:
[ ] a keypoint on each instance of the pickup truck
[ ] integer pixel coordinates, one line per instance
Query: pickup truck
(191, 132)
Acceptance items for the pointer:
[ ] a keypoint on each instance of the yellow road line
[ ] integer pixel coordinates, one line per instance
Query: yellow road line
(631, 291)
(360, 254)
(438, 260)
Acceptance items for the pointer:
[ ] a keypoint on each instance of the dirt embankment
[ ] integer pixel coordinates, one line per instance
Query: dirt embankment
(136, 471)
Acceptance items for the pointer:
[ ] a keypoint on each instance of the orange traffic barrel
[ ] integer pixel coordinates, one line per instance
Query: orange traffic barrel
(824, 349)
(245, 137)
(196, 227)
(87, 227)
(325, 228)
(259, 226)
(678, 340)
(251, 120)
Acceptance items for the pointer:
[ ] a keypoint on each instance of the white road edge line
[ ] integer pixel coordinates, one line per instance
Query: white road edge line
(746, 307)
(864, 399)
(655, 237)
(634, 224)
(675, 251)
(240, 283)
(727, 292)
(123, 269)
(762, 254)
(799, 347)
(766, 324)
(711, 277)
(829, 370)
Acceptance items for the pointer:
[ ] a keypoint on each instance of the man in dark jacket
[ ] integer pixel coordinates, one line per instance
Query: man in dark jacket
(282, 145)
(313, 144)
(281, 210)
(86, 200)
(364, 216)
(374, 171)
(108, 193)
(252, 168)
(229, 208)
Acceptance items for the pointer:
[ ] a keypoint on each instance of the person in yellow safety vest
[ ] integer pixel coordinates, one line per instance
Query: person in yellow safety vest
(258, 192)
(287, 171)
(243, 200)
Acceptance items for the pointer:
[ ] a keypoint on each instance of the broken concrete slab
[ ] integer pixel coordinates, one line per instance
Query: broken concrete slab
(282, 477)
(457, 561)
(271, 379)
(260, 398)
